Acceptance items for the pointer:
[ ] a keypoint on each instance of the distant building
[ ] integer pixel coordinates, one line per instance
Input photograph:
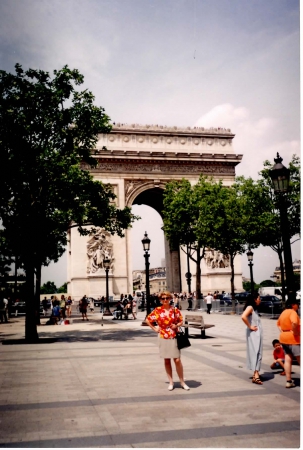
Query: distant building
(296, 268)
(157, 280)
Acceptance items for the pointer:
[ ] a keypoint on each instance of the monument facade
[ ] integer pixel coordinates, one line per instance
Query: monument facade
(137, 161)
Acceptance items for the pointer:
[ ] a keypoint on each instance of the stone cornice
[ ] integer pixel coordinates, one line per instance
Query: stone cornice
(171, 131)
(126, 155)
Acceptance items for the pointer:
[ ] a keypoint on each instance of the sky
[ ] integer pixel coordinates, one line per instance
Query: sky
(211, 63)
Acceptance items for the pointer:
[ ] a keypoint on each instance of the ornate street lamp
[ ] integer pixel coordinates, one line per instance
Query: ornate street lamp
(106, 265)
(188, 274)
(146, 246)
(280, 177)
(250, 257)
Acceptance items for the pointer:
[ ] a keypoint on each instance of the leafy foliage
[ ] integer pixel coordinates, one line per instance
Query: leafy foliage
(47, 129)
(267, 283)
(48, 288)
(62, 289)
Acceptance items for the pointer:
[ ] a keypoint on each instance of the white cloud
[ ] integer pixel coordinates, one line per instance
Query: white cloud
(257, 139)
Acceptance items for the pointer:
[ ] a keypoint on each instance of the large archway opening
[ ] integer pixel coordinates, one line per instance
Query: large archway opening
(148, 204)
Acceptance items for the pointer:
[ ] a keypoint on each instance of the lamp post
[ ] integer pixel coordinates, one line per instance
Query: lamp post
(280, 176)
(106, 265)
(250, 256)
(188, 274)
(146, 246)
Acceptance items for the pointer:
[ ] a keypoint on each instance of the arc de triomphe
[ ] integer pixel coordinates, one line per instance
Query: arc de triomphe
(137, 163)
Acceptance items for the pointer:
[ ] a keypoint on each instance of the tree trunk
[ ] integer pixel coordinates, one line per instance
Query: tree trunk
(31, 334)
(37, 293)
(232, 284)
(198, 275)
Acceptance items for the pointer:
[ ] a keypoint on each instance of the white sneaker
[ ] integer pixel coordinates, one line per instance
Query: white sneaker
(290, 384)
(170, 387)
(185, 387)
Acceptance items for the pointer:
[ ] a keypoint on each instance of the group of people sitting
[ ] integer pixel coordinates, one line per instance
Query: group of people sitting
(125, 306)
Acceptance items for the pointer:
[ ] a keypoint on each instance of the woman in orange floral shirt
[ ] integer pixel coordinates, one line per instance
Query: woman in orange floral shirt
(168, 320)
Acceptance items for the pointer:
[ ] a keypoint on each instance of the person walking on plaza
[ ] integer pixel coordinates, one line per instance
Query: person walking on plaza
(254, 336)
(168, 319)
(209, 299)
(289, 325)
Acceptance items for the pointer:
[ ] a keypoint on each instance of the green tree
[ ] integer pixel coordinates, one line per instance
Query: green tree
(62, 289)
(267, 283)
(49, 288)
(180, 215)
(47, 130)
(247, 286)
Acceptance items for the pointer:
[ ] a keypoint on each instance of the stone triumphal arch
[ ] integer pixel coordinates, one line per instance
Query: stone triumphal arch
(137, 162)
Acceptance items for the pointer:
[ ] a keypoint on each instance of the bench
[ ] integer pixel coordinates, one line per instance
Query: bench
(196, 321)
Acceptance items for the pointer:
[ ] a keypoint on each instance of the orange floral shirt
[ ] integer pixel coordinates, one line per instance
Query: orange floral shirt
(165, 321)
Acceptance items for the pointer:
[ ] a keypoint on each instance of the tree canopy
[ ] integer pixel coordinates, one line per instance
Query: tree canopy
(47, 129)
(208, 214)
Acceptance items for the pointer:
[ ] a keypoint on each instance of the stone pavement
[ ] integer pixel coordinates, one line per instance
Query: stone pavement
(105, 386)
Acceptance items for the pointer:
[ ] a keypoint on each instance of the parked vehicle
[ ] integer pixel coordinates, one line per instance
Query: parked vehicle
(139, 293)
(224, 300)
(241, 297)
(270, 304)
(271, 290)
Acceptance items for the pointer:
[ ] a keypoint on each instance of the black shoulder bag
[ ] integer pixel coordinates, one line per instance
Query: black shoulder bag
(182, 339)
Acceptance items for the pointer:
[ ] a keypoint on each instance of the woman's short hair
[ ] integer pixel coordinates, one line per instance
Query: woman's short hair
(291, 301)
(166, 293)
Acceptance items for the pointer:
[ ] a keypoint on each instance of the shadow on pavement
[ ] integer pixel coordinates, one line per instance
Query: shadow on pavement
(102, 335)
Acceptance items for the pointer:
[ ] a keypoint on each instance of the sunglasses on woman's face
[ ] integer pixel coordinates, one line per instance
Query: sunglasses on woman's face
(165, 298)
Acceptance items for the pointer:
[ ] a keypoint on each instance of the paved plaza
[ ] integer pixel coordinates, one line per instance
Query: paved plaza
(104, 385)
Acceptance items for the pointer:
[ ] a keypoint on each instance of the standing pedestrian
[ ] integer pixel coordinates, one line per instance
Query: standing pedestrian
(134, 304)
(83, 307)
(254, 336)
(63, 306)
(45, 306)
(92, 305)
(3, 305)
(190, 302)
(102, 303)
(289, 325)
(168, 320)
(69, 304)
(209, 299)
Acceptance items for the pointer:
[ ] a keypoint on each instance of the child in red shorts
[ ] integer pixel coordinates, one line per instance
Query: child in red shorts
(279, 356)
